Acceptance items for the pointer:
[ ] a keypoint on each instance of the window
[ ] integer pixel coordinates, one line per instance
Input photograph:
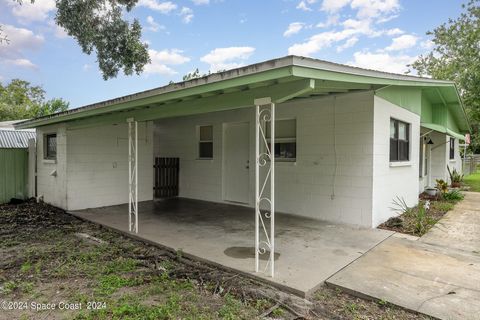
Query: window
(205, 142)
(285, 139)
(452, 148)
(50, 146)
(399, 140)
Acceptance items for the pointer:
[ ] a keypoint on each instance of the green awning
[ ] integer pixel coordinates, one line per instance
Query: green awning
(456, 135)
(442, 129)
(434, 126)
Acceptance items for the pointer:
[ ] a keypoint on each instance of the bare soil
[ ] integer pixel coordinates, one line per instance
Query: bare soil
(51, 260)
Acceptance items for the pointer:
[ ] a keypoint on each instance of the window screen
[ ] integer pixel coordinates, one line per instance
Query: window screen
(452, 148)
(285, 139)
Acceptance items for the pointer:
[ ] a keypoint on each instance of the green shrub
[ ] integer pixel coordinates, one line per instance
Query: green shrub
(455, 177)
(453, 195)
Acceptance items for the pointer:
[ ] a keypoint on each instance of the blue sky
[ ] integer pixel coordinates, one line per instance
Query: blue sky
(219, 34)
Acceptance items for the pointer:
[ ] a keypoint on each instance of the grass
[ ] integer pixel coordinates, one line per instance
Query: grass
(473, 181)
(131, 280)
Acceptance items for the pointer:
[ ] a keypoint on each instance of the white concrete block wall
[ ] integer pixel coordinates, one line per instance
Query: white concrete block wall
(440, 154)
(306, 187)
(455, 163)
(52, 174)
(391, 180)
(97, 165)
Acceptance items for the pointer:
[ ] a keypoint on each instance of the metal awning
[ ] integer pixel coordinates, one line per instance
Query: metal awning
(442, 129)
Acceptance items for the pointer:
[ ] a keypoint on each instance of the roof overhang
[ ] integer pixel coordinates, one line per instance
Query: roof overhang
(281, 79)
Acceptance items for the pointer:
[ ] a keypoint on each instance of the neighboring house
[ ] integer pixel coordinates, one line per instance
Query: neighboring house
(347, 140)
(14, 160)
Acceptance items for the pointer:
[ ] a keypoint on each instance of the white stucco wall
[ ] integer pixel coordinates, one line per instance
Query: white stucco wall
(95, 172)
(306, 187)
(391, 180)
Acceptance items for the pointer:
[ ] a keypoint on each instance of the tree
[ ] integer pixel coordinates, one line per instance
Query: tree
(98, 26)
(456, 57)
(20, 100)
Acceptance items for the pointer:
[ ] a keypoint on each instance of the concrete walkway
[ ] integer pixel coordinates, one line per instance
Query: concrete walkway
(438, 274)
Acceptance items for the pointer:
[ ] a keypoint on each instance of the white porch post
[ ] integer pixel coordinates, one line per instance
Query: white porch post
(265, 184)
(132, 175)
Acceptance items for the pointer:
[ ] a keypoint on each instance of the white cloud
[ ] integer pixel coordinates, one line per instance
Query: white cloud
(321, 41)
(161, 60)
(152, 25)
(382, 61)
(200, 2)
(20, 39)
(293, 28)
(332, 20)
(374, 8)
(303, 6)
(394, 32)
(162, 7)
(427, 44)
(334, 5)
(348, 44)
(186, 14)
(402, 42)
(20, 62)
(227, 58)
(27, 11)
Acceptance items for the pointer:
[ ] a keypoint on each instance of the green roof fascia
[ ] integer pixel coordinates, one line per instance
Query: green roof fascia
(229, 101)
(129, 102)
(306, 72)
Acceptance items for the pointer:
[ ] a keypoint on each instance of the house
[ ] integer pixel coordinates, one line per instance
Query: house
(347, 142)
(14, 162)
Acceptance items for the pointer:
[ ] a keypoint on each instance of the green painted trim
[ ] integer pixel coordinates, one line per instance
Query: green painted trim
(125, 103)
(305, 72)
(456, 135)
(405, 97)
(434, 126)
(228, 101)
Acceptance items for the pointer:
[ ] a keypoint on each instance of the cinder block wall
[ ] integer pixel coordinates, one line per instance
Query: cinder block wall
(332, 177)
(97, 165)
(392, 180)
(92, 166)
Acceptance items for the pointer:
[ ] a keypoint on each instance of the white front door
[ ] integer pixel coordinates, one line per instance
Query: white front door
(236, 171)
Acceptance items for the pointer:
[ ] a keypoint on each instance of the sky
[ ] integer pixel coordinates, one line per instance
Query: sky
(214, 35)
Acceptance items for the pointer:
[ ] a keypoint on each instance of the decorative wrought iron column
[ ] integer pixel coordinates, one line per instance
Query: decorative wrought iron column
(132, 175)
(265, 184)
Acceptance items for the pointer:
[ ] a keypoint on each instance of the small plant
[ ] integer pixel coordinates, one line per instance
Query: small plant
(453, 195)
(400, 206)
(456, 178)
(442, 186)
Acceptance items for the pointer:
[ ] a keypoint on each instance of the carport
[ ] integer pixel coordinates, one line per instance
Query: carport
(308, 251)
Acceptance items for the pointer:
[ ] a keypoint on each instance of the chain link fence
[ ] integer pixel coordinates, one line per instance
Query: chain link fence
(470, 164)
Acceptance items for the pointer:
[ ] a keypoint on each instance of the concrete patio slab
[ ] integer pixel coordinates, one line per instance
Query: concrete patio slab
(438, 275)
(307, 251)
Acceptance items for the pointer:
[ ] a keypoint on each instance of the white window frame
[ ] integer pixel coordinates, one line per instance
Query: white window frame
(45, 146)
(200, 141)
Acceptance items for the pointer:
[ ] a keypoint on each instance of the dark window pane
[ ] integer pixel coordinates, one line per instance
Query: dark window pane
(51, 147)
(403, 150)
(452, 148)
(393, 149)
(286, 150)
(206, 150)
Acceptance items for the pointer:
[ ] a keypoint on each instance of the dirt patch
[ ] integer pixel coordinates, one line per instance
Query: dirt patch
(50, 257)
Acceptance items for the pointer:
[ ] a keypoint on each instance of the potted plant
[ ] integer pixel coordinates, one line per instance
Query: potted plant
(455, 178)
(432, 192)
